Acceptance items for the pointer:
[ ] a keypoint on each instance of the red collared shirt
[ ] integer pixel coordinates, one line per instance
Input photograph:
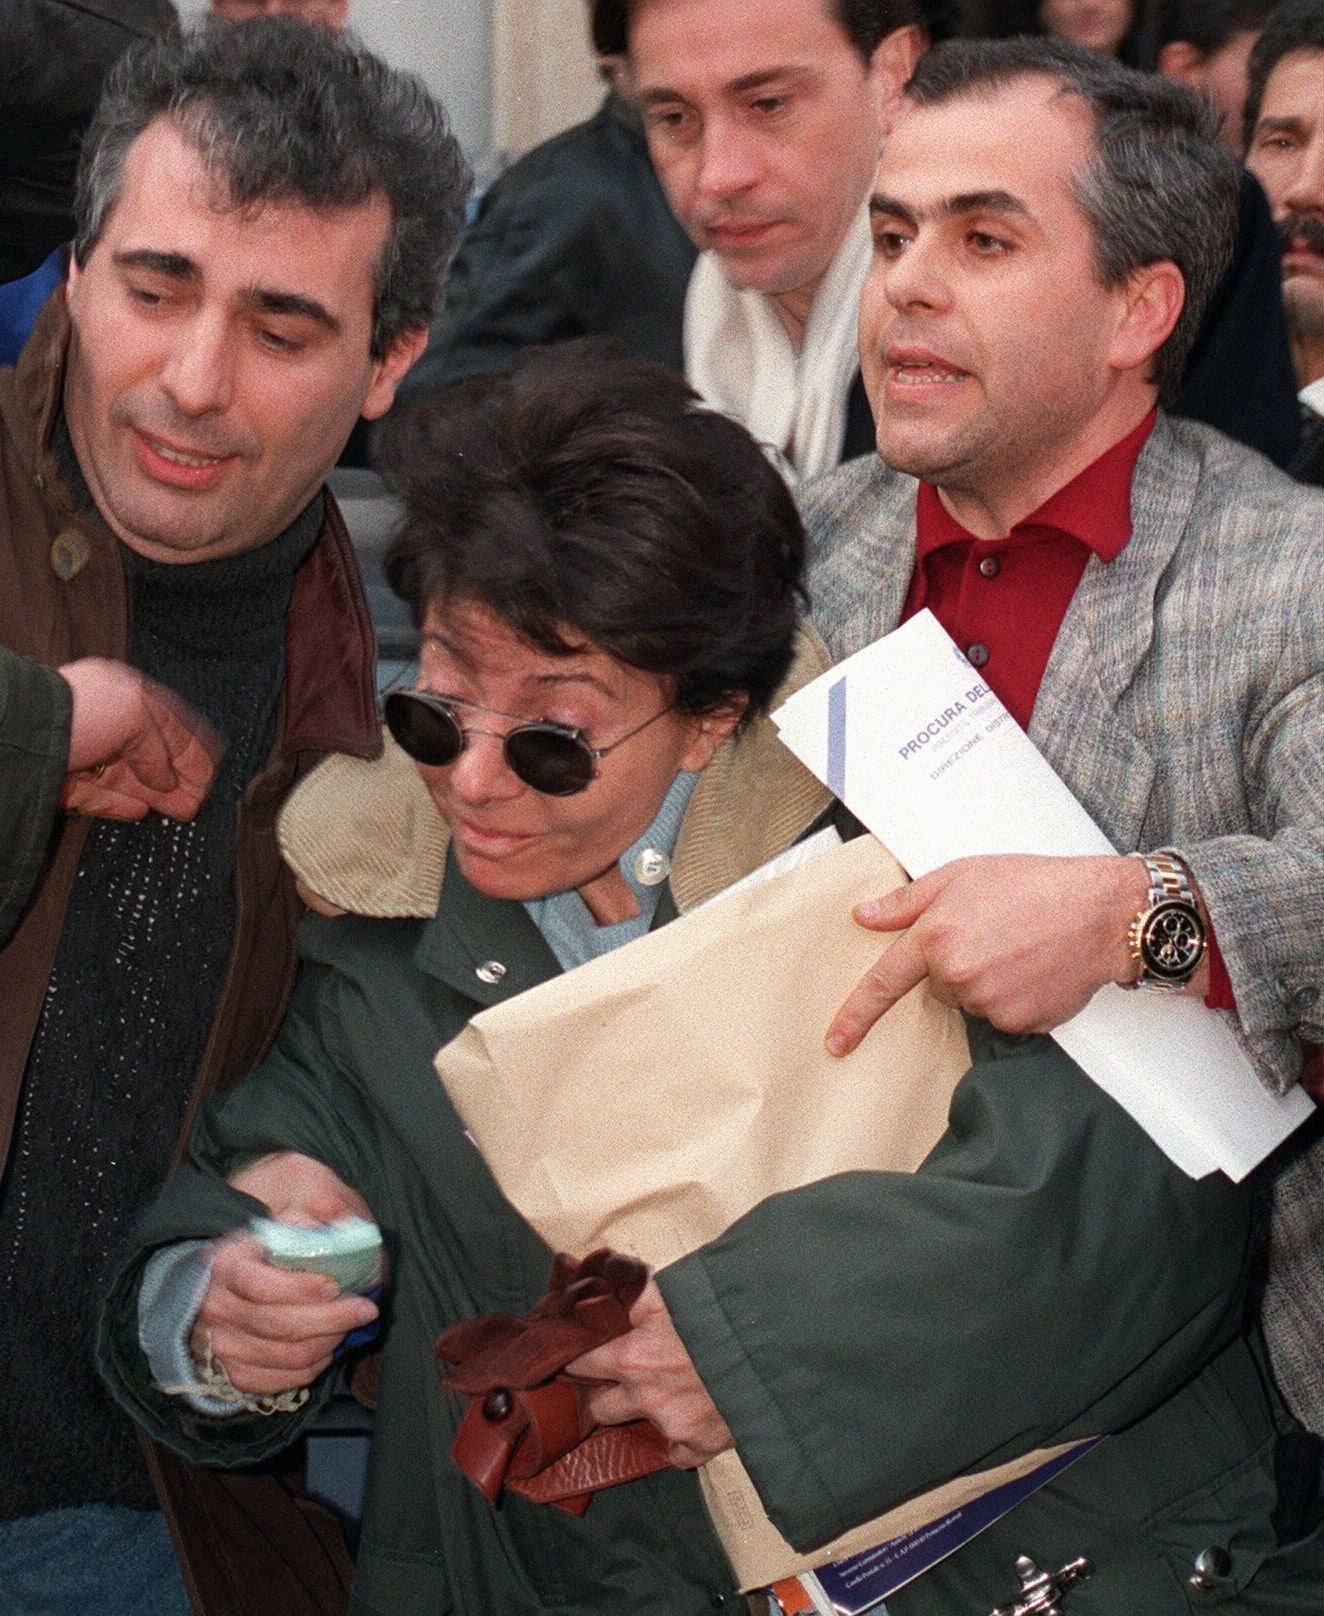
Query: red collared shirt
(1003, 600)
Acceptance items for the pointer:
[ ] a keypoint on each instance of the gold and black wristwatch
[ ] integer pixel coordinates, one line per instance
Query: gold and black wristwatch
(1168, 938)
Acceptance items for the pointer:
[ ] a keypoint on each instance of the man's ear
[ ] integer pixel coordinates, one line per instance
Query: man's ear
(710, 730)
(893, 61)
(1153, 299)
(389, 371)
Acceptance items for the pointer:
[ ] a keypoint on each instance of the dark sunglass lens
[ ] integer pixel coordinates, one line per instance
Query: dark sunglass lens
(427, 730)
(556, 764)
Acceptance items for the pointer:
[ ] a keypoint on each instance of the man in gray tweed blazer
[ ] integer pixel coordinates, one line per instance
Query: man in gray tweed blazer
(1046, 229)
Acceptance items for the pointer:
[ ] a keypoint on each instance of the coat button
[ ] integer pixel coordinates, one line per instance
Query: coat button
(490, 971)
(990, 567)
(1212, 1566)
(976, 655)
(70, 553)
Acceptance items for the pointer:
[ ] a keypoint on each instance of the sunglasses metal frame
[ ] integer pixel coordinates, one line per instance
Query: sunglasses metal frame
(445, 707)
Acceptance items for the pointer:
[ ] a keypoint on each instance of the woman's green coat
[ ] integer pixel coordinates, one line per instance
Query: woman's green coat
(1046, 1274)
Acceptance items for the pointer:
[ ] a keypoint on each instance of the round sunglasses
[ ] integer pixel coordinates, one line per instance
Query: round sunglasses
(553, 759)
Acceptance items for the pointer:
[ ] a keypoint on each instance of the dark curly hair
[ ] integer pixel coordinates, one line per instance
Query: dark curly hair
(283, 112)
(589, 497)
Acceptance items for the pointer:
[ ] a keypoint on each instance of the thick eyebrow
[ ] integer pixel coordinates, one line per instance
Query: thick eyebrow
(1280, 126)
(880, 204)
(657, 94)
(267, 301)
(175, 265)
(262, 299)
(953, 207)
(768, 75)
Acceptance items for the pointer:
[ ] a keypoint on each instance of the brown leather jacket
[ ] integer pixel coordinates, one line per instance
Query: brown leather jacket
(62, 596)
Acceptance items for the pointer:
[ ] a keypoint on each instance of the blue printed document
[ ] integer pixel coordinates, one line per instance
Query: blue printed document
(861, 1582)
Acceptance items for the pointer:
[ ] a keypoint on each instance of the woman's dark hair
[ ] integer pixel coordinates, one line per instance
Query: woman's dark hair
(589, 497)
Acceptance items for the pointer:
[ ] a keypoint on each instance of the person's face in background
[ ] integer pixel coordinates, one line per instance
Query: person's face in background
(332, 13)
(1099, 25)
(1286, 155)
(764, 124)
(1219, 74)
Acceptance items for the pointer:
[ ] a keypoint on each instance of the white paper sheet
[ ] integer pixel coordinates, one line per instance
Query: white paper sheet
(912, 740)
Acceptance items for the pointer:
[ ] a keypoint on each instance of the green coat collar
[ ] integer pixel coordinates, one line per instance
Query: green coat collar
(487, 949)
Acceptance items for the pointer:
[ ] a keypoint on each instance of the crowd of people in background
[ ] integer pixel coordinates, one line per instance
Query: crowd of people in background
(683, 374)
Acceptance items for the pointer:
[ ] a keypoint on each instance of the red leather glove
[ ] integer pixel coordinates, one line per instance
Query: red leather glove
(527, 1429)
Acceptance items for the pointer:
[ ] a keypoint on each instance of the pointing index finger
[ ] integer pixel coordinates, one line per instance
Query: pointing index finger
(888, 980)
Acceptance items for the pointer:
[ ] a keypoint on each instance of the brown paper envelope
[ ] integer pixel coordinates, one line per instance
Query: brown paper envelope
(648, 1099)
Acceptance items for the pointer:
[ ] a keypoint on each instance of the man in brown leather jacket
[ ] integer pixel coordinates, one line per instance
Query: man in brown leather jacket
(264, 215)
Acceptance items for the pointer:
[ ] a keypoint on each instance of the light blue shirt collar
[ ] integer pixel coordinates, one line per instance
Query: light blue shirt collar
(563, 918)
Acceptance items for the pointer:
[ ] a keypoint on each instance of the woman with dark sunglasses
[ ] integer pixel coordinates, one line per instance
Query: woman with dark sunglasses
(605, 577)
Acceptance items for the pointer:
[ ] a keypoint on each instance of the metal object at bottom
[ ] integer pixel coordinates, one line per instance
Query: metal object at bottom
(1042, 1591)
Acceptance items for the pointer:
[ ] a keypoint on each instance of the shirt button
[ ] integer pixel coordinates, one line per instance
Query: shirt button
(977, 655)
(990, 567)
(70, 553)
(490, 971)
(652, 867)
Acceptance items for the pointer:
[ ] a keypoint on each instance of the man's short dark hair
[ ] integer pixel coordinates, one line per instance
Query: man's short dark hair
(607, 24)
(587, 496)
(866, 23)
(1156, 187)
(1206, 24)
(284, 112)
(1294, 25)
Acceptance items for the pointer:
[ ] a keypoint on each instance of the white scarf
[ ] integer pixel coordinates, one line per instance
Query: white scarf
(740, 358)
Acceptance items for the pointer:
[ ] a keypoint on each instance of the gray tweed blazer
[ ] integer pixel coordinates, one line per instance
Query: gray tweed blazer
(1183, 703)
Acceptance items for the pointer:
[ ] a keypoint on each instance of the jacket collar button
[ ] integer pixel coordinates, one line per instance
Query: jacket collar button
(70, 553)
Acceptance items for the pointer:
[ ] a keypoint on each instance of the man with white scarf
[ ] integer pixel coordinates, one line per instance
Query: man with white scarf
(764, 119)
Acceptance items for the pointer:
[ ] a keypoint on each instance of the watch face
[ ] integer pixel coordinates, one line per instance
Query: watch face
(1172, 941)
